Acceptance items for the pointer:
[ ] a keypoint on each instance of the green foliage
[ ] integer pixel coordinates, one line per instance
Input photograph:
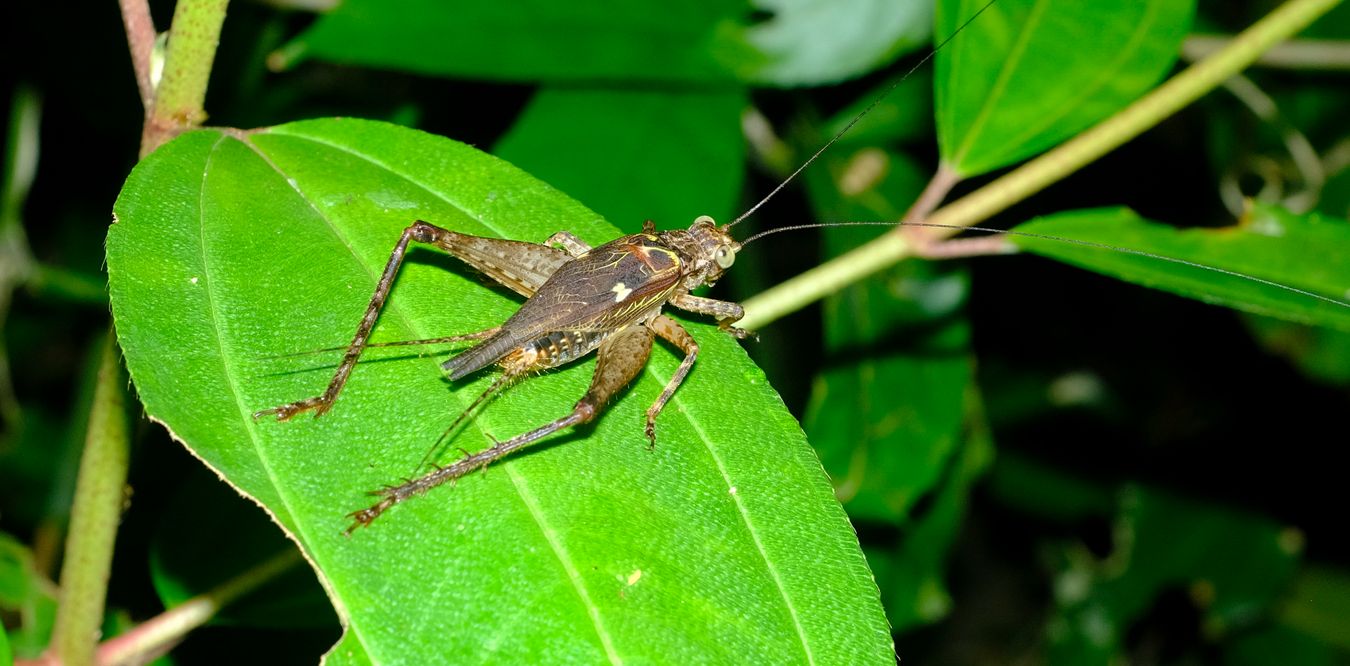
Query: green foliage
(228, 248)
(1266, 256)
(1126, 482)
(1029, 75)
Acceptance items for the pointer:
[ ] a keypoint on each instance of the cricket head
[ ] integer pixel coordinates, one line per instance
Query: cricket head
(705, 251)
(710, 250)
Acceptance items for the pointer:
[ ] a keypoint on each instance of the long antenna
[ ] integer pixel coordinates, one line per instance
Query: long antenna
(1071, 241)
(858, 117)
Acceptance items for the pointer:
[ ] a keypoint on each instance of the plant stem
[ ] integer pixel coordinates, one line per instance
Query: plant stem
(1053, 166)
(180, 98)
(140, 29)
(156, 635)
(1314, 54)
(94, 516)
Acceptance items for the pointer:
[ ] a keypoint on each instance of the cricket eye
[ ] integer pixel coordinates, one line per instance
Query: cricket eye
(724, 256)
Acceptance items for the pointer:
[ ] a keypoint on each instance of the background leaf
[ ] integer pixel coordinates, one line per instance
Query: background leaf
(531, 40)
(635, 155)
(230, 248)
(810, 42)
(1028, 74)
(1269, 244)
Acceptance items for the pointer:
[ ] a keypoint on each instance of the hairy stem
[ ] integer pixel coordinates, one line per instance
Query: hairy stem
(1053, 166)
(179, 100)
(94, 515)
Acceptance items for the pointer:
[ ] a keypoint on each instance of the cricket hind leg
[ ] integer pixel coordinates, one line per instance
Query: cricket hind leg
(676, 335)
(419, 231)
(501, 384)
(621, 357)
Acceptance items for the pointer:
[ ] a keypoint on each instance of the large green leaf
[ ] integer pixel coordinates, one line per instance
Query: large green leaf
(533, 40)
(1028, 74)
(723, 544)
(1276, 250)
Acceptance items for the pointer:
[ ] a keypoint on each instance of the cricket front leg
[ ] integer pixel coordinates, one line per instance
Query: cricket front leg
(621, 357)
(726, 312)
(420, 232)
(676, 335)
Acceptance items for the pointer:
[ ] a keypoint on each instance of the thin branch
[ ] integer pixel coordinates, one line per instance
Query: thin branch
(1051, 167)
(94, 515)
(156, 635)
(141, 40)
(1323, 54)
(180, 97)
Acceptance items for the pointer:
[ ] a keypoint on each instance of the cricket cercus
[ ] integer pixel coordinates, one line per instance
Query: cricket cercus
(579, 299)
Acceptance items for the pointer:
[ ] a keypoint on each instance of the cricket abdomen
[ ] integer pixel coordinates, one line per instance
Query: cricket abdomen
(553, 350)
(548, 351)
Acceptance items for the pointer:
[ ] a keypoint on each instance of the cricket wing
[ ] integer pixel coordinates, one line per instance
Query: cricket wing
(480, 355)
(522, 267)
(606, 289)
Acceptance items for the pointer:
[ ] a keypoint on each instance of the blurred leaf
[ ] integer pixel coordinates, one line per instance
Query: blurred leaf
(1277, 645)
(888, 410)
(27, 596)
(1303, 252)
(1028, 74)
(812, 42)
(1234, 566)
(635, 155)
(885, 427)
(899, 115)
(531, 40)
(190, 555)
(724, 543)
(889, 413)
(916, 592)
(1322, 354)
(1027, 485)
(1318, 604)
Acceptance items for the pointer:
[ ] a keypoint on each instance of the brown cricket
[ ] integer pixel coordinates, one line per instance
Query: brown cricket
(579, 299)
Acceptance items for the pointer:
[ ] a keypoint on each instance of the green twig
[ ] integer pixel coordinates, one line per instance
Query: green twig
(156, 635)
(180, 97)
(1053, 166)
(94, 516)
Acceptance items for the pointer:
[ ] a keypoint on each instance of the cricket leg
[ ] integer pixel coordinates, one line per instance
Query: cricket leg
(420, 232)
(676, 335)
(726, 312)
(569, 242)
(621, 357)
(503, 382)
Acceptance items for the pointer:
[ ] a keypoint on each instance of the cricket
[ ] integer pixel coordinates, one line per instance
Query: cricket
(607, 299)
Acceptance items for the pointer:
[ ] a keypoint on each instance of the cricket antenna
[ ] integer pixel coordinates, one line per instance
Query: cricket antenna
(858, 117)
(1064, 239)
